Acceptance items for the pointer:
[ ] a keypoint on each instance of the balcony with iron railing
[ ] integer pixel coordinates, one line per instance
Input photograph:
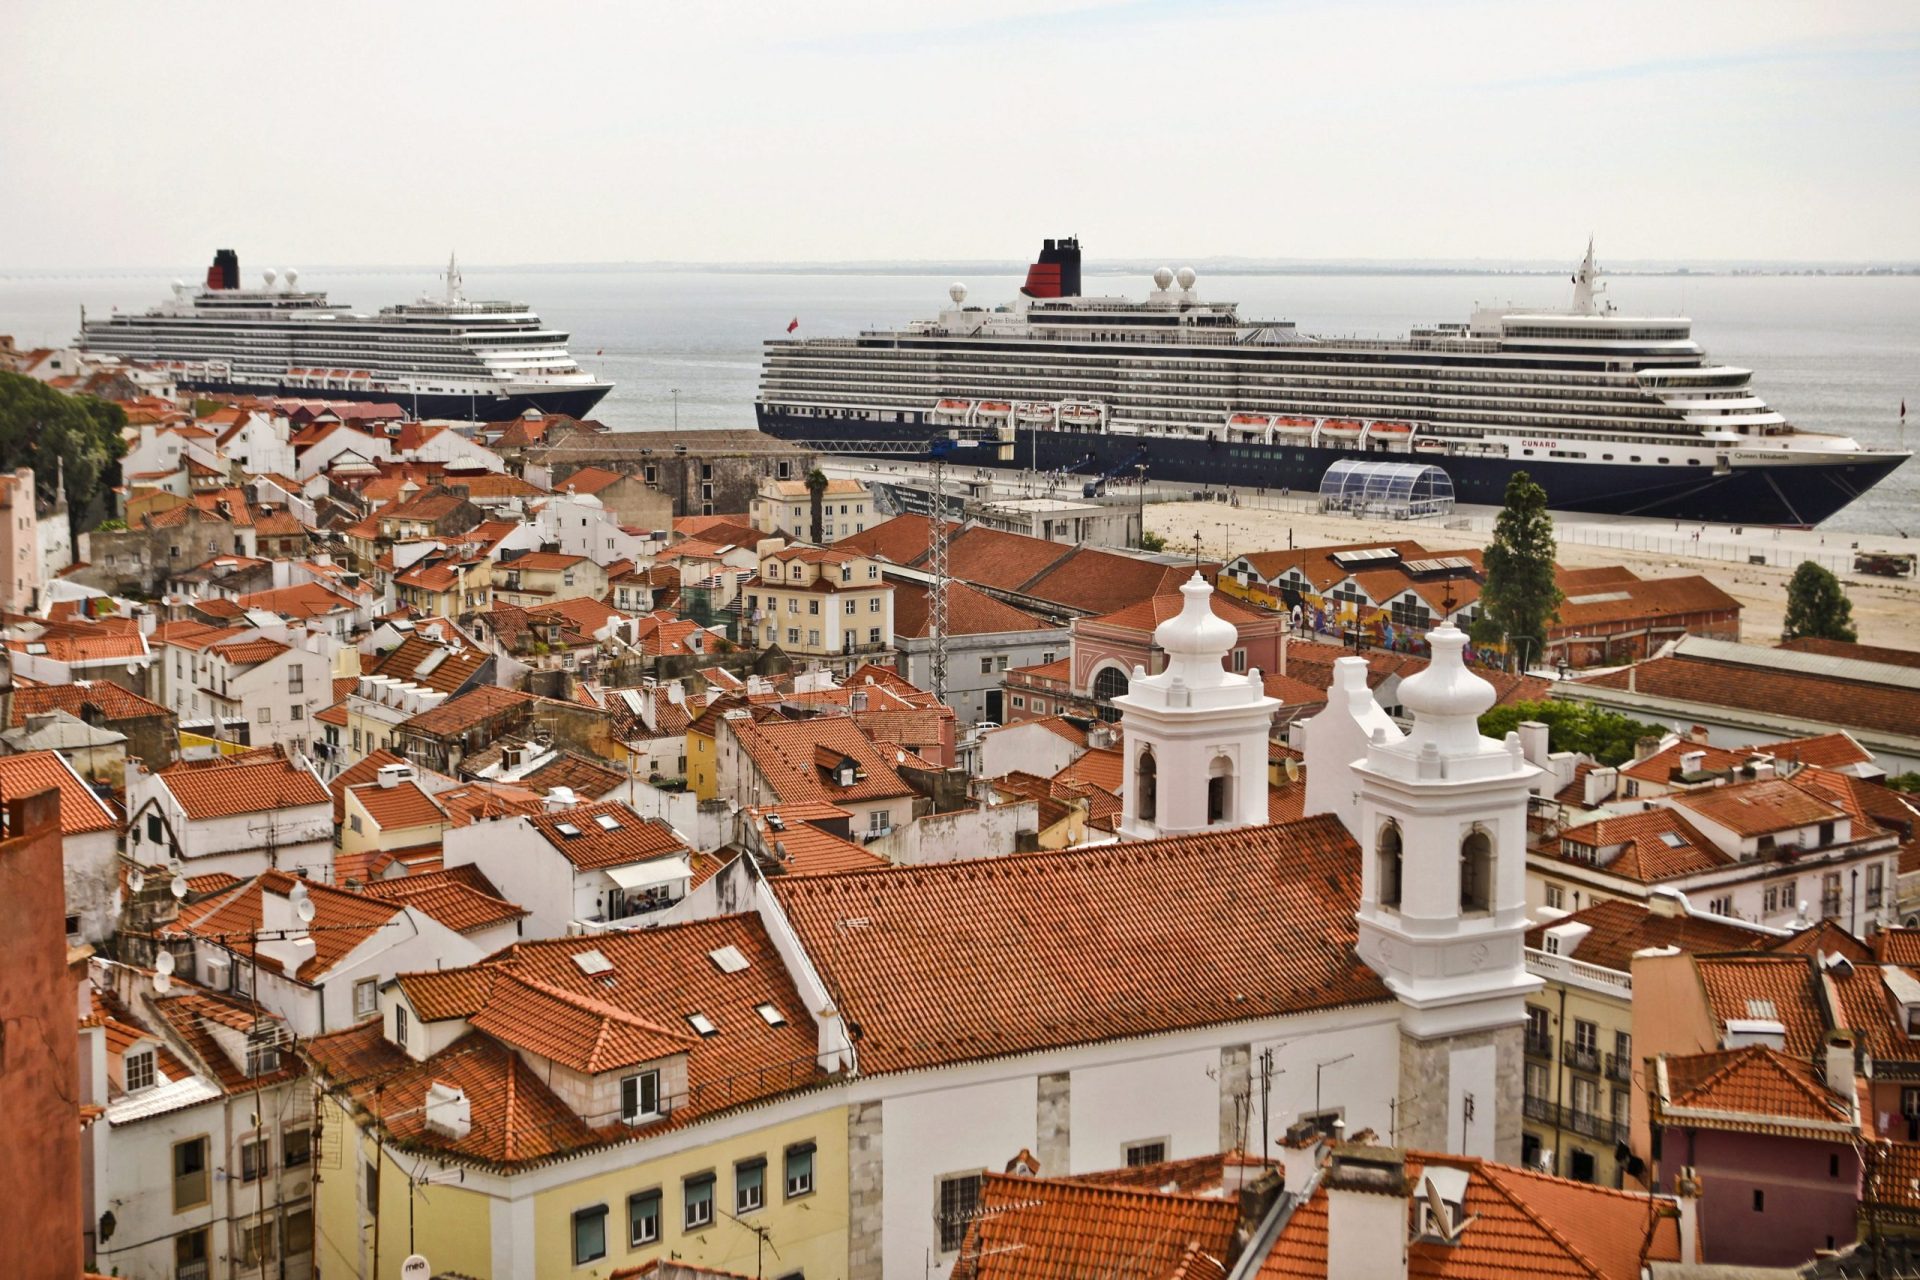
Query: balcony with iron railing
(1588, 1124)
(1539, 1044)
(1619, 1068)
(1581, 1057)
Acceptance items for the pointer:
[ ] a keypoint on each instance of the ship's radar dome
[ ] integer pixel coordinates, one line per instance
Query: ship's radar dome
(271, 275)
(293, 276)
(1186, 277)
(1163, 278)
(178, 284)
(958, 292)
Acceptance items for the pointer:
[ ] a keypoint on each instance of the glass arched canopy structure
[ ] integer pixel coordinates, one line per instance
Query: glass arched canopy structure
(1395, 490)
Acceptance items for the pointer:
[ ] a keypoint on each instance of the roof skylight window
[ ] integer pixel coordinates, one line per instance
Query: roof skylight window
(703, 1024)
(1762, 1009)
(770, 1015)
(607, 822)
(592, 962)
(566, 829)
(727, 959)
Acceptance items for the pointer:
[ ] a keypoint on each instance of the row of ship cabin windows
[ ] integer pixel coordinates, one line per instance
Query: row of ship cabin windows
(645, 1217)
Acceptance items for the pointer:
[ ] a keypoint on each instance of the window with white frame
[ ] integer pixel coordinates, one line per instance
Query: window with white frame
(799, 1170)
(253, 1159)
(139, 1070)
(1145, 1151)
(750, 1185)
(697, 1196)
(640, 1096)
(643, 1218)
(366, 992)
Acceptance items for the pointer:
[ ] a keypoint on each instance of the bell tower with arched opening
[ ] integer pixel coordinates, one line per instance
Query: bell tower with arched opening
(1195, 735)
(1441, 819)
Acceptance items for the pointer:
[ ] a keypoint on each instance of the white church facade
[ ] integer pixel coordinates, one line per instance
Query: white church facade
(1242, 981)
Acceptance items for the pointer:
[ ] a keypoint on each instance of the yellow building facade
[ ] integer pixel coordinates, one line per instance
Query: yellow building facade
(630, 1202)
(1578, 1086)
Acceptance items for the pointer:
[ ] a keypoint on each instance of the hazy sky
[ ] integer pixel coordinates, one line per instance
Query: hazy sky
(148, 134)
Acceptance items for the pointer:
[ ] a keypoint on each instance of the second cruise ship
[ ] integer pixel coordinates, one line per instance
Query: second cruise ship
(437, 357)
(1609, 413)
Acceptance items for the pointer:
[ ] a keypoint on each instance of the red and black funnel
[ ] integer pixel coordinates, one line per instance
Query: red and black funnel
(225, 271)
(1057, 272)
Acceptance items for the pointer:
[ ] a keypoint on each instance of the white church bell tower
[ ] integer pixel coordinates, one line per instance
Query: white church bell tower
(1196, 733)
(1440, 814)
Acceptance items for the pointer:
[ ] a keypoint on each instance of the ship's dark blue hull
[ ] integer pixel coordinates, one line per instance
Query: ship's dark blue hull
(1800, 496)
(574, 402)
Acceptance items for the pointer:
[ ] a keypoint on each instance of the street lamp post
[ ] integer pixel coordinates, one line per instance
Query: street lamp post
(675, 393)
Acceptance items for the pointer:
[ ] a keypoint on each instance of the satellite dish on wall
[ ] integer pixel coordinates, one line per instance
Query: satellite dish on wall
(162, 983)
(302, 903)
(163, 964)
(178, 888)
(136, 880)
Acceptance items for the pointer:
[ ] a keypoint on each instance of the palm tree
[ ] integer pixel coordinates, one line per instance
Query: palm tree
(817, 491)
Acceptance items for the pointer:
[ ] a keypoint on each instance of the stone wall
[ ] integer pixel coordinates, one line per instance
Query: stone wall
(701, 472)
(1425, 1118)
(1053, 1123)
(865, 1193)
(1236, 1088)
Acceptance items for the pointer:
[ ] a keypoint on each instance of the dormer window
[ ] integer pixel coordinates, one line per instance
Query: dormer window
(139, 1071)
(640, 1097)
(846, 573)
(263, 1048)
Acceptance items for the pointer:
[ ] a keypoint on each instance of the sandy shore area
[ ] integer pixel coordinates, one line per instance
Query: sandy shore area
(1886, 611)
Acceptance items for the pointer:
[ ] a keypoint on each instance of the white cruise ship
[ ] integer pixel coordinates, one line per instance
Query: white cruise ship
(1610, 413)
(438, 357)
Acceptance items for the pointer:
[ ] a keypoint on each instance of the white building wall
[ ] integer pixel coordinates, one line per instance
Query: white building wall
(1026, 748)
(1171, 1097)
(945, 1130)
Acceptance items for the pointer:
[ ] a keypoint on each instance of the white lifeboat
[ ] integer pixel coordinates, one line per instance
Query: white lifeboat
(1035, 412)
(1299, 428)
(995, 408)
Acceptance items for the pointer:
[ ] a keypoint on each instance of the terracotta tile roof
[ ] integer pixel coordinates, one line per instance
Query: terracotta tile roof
(439, 994)
(1773, 987)
(35, 771)
(1856, 652)
(365, 769)
(341, 922)
(805, 849)
(583, 613)
(1618, 928)
(1819, 699)
(1575, 792)
(969, 612)
(1520, 1223)
(1759, 808)
(462, 712)
(228, 789)
(193, 1012)
(1835, 750)
(1111, 941)
(213, 882)
(124, 1030)
(517, 1120)
(1824, 938)
(1897, 946)
(596, 844)
(1044, 1228)
(425, 662)
(588, 480)
(247, 653)
(577, 773)
(477, 801)
(1654, 845)
(786, 752)
(1059, 669)
(574, 1029)
(86, 646)
(450, 897)
(1663, 766)
(308, 600)
(1103, 767)
(1868, 1008)
(1145, 615)
(399, 807)
(185, 633)
(1756, 1088)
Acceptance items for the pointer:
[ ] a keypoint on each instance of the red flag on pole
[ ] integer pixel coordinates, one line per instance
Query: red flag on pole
(793, 324)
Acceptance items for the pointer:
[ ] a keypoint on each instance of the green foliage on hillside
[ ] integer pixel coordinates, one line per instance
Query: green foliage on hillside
(1607, 736)
(52, 432)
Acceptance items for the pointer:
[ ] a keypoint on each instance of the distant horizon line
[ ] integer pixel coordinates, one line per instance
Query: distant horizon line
(1222, 265)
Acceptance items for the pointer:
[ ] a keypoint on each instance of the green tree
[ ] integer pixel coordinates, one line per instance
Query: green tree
(1908, 782)
(817, 493)
(1817, 606)
(1520, 599)
(1151, 541)
(1607, 736)
(58, 435)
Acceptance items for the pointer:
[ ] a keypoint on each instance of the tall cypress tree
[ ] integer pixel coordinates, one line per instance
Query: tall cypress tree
(1520, 599)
